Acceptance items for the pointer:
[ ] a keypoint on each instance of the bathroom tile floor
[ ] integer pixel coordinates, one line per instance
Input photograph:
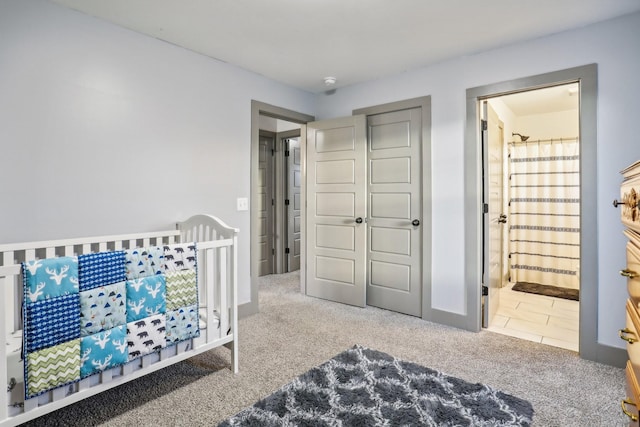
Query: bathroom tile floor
(547, 320)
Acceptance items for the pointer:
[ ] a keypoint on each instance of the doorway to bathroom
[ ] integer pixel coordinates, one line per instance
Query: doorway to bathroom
(531, 199)
(475, 223)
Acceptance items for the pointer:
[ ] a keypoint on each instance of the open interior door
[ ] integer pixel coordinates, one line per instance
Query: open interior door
(336, 210)
(492, 141)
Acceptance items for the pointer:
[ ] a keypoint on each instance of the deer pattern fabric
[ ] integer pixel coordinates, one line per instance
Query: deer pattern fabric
(103, 350)
(49, 278)
(86, 314)
(146, 297)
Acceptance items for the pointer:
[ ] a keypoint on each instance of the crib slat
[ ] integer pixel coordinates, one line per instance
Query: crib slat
(6, 322)
(224, 297)
(209, 287)
(58, 393)
(214, 279)
(30, 404)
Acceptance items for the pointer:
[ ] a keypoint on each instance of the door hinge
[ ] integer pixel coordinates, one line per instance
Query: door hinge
(273, 251)
(286, 202)
(286, 250)
(273, 202)
(485, 291)
(273, 152)
(485, 208)
(483, 124)
(286, 153)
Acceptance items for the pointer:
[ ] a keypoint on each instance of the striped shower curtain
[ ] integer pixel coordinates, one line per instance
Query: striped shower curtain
(544, 212)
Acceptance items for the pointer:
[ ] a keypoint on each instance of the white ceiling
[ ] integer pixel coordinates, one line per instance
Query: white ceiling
(299, 42)
(541, 101)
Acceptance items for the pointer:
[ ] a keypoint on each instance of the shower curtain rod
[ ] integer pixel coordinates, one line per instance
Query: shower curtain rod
(543, 140)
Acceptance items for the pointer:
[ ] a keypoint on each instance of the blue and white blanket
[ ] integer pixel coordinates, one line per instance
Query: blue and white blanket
(83, 315)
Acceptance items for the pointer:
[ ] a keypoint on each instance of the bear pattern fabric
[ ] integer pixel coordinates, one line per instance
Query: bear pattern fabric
(180, 257)
(146, 335)
(93, 312)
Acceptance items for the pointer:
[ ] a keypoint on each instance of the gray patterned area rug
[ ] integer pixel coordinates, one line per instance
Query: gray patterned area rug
(364, 387)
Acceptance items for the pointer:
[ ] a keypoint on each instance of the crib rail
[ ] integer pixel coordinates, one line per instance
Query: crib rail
(217, 285)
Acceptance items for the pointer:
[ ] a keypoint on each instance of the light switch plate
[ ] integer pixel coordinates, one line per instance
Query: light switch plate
(243, 204)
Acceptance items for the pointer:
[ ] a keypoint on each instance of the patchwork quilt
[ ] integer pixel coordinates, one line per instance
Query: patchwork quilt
(85, 314)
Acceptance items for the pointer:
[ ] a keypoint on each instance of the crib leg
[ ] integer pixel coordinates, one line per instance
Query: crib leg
(234, 355)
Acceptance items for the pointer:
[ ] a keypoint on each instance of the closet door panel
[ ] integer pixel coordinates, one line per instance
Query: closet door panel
(336, 210)
(395, 200)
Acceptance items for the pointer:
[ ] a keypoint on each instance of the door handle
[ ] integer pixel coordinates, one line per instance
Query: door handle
(415, 222)
(629, 414)
(359, 220)
(628, 273)
(623, 334)
(617, 203)
(502, 219)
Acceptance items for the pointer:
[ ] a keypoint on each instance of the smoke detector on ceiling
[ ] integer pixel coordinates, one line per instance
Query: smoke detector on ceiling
(330, 81)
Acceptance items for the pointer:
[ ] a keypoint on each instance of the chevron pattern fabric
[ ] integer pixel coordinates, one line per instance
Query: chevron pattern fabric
(52, 367)
(86, 314)
(181, 289)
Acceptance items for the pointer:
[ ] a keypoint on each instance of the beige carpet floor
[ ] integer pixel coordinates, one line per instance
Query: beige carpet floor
(293, 333)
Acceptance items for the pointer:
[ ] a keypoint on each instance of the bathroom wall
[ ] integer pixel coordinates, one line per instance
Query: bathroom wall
(554, 125)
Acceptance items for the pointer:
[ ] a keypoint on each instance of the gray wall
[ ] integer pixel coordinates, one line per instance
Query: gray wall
(106, 131)
(614, 46)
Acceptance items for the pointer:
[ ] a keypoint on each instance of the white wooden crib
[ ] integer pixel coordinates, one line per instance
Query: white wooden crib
(217, 282)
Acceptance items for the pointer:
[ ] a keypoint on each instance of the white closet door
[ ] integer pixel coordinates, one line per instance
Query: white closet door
(336, 210)
(295, 203)
(395, 211)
